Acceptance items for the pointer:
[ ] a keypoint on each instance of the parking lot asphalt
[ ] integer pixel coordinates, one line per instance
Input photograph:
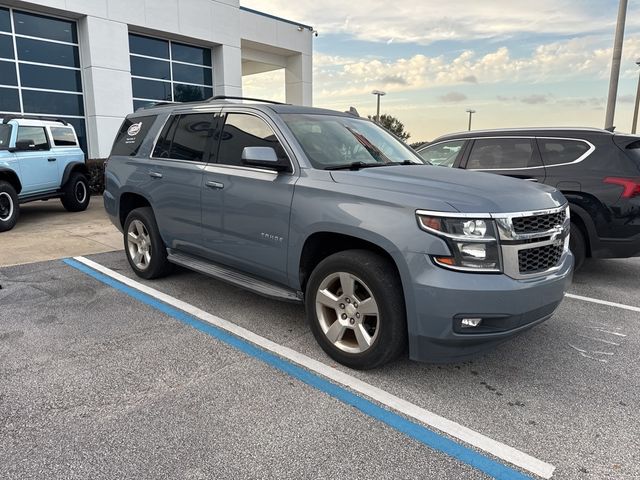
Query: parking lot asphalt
(93, 383)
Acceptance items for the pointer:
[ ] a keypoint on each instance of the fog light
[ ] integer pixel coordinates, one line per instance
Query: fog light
(470, 322)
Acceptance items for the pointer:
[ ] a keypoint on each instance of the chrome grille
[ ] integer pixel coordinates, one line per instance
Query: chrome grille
(538, 223)
(532, 260)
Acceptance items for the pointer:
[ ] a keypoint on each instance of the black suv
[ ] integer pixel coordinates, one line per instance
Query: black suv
(598, 171)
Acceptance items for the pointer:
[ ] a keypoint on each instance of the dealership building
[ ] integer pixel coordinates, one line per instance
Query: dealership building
(91, 62)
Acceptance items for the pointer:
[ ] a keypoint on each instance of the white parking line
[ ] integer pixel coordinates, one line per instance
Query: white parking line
(449, 427)
(603, 302)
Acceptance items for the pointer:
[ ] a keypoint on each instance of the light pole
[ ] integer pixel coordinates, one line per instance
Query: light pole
(379, 94)
(615, 66)
(635, 111)
(470, 112)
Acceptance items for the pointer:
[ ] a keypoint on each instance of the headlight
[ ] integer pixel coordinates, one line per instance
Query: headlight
(473, 242)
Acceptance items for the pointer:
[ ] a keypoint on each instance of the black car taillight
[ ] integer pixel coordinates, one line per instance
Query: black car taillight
(631, 185)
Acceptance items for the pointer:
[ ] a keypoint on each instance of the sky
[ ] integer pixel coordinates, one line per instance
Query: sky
(516, 62)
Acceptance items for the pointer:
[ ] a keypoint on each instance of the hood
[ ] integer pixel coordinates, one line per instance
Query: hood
(465, 191)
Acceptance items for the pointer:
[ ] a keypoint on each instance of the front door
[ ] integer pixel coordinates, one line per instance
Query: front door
(510, 156)
(38, 165)
(256, 203)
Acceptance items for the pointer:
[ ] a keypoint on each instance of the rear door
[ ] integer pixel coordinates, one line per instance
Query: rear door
(256, 202)
(515, 157)
(38, 166)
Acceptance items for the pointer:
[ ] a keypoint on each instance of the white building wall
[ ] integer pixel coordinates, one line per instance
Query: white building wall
(103, 27)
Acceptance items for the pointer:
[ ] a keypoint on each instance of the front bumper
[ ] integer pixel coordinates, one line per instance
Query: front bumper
(440, 298)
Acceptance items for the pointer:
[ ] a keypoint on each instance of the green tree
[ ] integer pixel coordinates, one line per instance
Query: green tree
(394, 125)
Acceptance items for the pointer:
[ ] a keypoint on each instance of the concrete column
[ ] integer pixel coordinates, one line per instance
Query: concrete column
(227, 70)
(106, 72)
(298, 80)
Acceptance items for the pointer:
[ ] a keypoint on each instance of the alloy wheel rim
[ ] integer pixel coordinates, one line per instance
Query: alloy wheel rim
(81, 192)
(347, 312)
(6, 207)
(139, 244)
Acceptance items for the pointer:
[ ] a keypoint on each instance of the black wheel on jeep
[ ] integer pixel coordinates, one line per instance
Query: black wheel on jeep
(355, 305)
(9, 206)
(76, 193)
(143, 245)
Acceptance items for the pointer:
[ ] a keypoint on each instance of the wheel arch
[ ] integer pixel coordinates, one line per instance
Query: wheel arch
(128, 202)
(12, 177)
(71, 168)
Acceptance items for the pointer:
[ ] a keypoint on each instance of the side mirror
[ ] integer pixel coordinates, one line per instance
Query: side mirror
(24, 145)
(264, 157)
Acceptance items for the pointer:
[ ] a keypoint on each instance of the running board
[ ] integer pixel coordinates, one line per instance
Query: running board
(234, 277)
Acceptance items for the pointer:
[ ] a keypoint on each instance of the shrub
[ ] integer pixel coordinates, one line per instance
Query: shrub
(96, 175)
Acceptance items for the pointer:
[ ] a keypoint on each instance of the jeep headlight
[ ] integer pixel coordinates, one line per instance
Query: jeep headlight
(473, 242)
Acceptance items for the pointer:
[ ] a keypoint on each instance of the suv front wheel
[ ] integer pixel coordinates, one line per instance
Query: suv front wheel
(76, 194)
(9, 207)
(355, 304)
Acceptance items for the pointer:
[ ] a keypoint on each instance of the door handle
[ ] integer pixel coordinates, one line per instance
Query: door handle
(216, 185)
(51, 159)
(155, 175)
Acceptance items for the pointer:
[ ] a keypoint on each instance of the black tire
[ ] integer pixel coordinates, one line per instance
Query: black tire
(9, 206)
(578, 246)
(157, 266)
(75, 193)
(383, 282)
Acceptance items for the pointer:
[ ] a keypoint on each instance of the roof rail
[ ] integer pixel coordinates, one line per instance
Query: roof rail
(155, 104)
(8, 118)
(230, 97)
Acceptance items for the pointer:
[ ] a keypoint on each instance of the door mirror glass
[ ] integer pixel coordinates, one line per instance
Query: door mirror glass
(262, 157)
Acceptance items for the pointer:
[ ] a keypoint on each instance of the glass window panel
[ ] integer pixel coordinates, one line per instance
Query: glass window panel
(45, 27)
(151, 47)
(63, 137)
(8, 73)
(50, 78)
(557, 151)
(9, 100)
(81, 131)
(34, 135)
(190, 93)
(163, 145)
(141, 103)
(5, 20)
(443, 154)
(46, 52)
(147, 67)
(151, 89)
(241, 130)
(502, 153)
(189, 74)
(129, 139)
(53, 103)
(192, 136)
(189, 54)
(6, 46)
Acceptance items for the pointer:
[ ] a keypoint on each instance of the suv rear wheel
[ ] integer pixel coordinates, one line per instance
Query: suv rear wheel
(143, 245)
(76, 194)
(355, 304)
(9, 207)
(578, 246)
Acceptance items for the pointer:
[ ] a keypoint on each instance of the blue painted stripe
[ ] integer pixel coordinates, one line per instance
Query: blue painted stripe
(416, 431)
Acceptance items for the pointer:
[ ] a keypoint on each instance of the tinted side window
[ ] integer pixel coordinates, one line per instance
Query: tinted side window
(163, 145)
(502, 153)
(242, 130)
(63, 137)
(557, 152)
(191, 137)
(131, 135)
(443, 154)
(35, 135)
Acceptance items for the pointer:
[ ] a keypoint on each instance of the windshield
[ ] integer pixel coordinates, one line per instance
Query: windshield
(5, 136)
(332, 141)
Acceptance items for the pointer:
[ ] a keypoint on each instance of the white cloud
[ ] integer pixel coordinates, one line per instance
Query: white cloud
(453, 97)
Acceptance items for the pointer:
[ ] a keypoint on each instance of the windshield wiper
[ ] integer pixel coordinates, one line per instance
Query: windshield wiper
(407, 162)
(356, 166)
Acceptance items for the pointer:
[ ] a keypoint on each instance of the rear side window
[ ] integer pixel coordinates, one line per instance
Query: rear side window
(634, 151)
(131, 135)
(557, 152)
(36, 136)
(191, 137)
(502, 154)
(63, 137)
(443, 154)
(242, 130)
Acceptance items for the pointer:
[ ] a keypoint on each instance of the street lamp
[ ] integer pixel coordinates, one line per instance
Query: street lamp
(470, 112)
(379, 94)
(635, 111)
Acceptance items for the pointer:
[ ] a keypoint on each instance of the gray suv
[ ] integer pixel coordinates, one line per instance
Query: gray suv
(326, 208)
